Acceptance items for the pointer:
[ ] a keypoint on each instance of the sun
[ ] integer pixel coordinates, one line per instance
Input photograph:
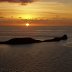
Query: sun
(27, 24)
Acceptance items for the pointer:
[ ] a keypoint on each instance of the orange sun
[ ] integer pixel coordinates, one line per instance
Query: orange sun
(27, 24)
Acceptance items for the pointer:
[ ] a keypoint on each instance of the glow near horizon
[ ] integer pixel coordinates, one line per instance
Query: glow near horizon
(43, 10)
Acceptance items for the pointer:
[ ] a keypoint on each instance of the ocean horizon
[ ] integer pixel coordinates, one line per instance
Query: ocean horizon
(34, 31)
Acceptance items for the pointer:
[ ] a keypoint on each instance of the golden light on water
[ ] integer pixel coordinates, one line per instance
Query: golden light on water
(27, 24)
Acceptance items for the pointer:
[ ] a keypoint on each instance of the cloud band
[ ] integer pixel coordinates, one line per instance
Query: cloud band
(18, 1)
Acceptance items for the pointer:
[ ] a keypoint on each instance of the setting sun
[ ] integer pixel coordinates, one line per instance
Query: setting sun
(27, 24)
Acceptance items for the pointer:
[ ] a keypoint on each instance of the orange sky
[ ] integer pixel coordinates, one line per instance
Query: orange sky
(40, 9)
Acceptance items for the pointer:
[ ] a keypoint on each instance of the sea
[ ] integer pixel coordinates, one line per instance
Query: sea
(37, 57)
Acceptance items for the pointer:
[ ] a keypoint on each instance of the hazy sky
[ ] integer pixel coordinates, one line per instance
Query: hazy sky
(30, 9)
(36, 9)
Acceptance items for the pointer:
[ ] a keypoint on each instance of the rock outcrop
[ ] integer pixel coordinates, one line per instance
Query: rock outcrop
(16, 41)
(56, 39)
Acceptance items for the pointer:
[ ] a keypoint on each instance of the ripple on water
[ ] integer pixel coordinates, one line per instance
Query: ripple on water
(68, 44)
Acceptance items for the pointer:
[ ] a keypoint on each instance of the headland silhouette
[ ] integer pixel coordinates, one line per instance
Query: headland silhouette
(28, 40)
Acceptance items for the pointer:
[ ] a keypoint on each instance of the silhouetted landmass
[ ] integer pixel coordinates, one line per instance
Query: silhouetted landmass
(16, 41)
(56, 39)
(21, 41)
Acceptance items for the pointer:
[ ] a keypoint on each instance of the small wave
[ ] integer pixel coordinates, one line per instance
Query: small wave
(68, 44)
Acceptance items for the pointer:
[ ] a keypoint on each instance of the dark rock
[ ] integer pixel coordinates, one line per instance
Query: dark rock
(16, 41)
(56, 39)
(20, 41)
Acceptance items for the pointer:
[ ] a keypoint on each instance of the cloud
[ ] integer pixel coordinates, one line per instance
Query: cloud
(19, 1)
(30, 1)
(61, 1)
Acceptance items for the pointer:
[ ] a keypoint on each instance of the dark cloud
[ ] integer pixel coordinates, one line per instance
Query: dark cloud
(30, 1)
(1, 17)
(19, 1)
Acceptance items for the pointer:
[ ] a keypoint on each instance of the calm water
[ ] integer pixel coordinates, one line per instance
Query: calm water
(39, 57)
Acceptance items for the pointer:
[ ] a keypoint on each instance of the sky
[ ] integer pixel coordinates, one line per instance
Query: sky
(36, 10)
